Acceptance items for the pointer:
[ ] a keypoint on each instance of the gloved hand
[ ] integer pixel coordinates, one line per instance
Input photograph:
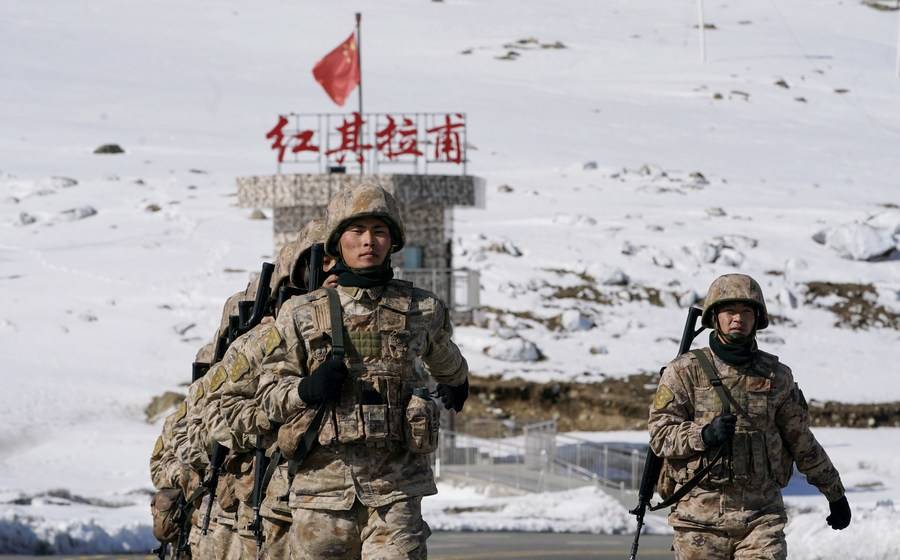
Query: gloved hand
(840, 514)
(719, 431)
(324, 384)
(453, 397)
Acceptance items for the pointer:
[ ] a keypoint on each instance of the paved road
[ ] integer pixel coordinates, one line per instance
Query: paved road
(543, 546)
(502, 546)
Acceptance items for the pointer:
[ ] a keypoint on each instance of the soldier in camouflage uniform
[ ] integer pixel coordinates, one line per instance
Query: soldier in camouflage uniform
(237, 405)
(170, 470)
(736, 510)
(358, 493)
(233, 510)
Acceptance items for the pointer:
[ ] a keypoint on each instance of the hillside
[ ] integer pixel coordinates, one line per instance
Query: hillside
(623, 175)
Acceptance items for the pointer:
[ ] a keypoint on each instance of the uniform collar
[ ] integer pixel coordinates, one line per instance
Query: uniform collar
(361, 294)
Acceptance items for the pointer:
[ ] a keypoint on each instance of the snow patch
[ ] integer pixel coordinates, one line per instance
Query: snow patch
(514, 349)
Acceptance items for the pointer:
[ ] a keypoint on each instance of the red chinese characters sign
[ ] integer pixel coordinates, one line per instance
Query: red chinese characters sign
(361, 139)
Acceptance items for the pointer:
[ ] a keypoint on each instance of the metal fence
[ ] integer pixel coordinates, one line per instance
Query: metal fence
(535, 458)
(459, 288)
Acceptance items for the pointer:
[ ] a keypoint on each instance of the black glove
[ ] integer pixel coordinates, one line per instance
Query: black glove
(840, 514)
(324, 384)
(453, 397)
(719, 431)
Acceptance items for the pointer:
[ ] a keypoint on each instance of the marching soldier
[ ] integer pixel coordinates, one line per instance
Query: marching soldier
(339, 371)
(730, 419)
(237, 406)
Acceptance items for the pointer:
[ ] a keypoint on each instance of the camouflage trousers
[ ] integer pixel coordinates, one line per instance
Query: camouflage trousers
(392, 532)
(761, 539)
(276, 544)
(202, 546)
(225, 543)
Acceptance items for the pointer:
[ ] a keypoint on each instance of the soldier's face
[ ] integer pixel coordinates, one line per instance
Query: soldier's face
(365, 243)
(736, 319)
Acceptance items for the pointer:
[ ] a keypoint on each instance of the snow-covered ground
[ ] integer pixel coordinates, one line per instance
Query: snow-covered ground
(633, 173)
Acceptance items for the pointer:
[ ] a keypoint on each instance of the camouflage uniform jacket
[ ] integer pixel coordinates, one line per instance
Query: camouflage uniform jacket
(165, 468)
(772, 434)
(205, 427)
(388, 330)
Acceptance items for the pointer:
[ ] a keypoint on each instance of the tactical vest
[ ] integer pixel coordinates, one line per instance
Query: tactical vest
(381, 355)
(757, 451)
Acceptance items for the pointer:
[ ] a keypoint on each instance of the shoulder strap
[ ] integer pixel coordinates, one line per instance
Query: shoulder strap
(337, 323)
(713, 376)
(311, 436)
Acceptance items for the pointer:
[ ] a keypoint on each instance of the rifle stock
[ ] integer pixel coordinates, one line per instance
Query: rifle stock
(260, 464)
(653, 463)
(215, 470)
(316, 276)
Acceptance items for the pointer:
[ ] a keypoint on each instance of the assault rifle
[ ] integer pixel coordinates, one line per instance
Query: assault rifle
(653, 463)
(249, 315)
(316, 276)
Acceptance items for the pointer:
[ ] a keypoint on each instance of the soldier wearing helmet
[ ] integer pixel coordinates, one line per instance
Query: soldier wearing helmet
(353, 484)
(730, 423)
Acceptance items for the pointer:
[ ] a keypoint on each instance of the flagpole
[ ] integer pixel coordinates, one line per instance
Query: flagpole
(359, 91)
(898, 43)
(702, 27)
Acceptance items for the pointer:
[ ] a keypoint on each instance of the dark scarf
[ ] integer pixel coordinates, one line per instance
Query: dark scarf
(733, 353)
(363, 277)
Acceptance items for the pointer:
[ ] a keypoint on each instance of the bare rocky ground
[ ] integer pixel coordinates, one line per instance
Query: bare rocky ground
(622, 404)
(612, 404)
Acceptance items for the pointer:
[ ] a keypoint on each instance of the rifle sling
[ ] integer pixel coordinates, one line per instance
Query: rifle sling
(337, 323)
(713, 376)
(690, 484)
(270, 471)
(311, 435)
(727, 401)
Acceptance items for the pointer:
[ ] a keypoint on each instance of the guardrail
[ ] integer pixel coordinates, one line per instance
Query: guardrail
(540, 460)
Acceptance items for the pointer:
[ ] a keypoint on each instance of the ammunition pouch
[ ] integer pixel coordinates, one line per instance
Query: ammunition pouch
(225, 494)
(244, 520)
(240, 469)
(423, 418)
(371, 412)
(666, 483)
(278, 492)
(781, 463)
(164, 508)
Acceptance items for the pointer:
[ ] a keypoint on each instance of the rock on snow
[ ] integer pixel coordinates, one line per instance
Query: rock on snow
(859, 242)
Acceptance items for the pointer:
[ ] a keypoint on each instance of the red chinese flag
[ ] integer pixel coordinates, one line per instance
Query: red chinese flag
(338, 71)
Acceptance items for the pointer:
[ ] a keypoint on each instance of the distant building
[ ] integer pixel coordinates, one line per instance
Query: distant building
(426, 203)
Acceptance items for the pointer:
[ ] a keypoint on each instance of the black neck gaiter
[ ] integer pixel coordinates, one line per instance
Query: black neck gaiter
(363, 277)
(733, 353)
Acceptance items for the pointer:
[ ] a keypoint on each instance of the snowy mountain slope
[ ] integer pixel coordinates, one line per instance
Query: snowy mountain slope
(98, 307)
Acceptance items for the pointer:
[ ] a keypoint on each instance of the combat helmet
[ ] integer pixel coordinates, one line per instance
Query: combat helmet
(362, 202)
(735, 288)
(292, 252)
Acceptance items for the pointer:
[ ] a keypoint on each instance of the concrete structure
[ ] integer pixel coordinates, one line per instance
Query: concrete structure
(426, 203)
